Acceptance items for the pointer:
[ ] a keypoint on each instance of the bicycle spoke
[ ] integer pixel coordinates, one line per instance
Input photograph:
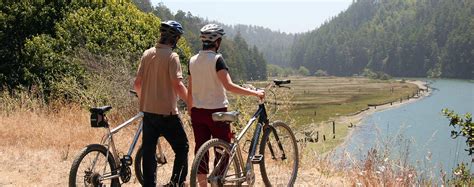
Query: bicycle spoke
(89, 175)
(214, 166)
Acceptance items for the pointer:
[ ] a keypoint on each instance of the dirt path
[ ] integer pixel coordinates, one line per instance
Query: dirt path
(49, 168)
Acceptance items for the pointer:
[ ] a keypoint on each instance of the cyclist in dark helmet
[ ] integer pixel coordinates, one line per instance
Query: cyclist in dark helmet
(209, 80)
(171, 31)
(158, 85)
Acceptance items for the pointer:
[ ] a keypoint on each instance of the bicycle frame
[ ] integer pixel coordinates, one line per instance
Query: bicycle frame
(108, 142)
(108, 139)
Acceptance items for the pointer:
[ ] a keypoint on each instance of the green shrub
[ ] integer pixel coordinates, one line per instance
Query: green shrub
(303, 71)
(92, 51)
(375, 75)
(321, 73)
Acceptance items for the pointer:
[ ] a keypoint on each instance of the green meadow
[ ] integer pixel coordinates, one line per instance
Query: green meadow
(318, 99)
(312, 103)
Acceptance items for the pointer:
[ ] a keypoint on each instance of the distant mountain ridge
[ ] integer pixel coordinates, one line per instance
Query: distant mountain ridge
(403, 38)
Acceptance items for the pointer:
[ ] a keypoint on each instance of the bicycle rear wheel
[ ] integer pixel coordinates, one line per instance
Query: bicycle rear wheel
(165, 161)
(279, 166)
(217, 152)
(91, 166)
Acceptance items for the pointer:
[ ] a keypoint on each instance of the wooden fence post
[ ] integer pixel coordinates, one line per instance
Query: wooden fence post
(333, 130)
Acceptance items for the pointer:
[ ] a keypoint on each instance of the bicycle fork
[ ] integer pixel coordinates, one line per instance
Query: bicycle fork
(280, 146)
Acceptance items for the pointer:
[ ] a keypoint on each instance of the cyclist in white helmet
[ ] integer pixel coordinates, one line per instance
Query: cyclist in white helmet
(209, 80)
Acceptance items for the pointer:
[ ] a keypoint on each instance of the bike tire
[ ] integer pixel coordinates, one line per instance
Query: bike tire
(100, 150)
(138, 165)
(276, 171)
(207, 148)
(164, 166)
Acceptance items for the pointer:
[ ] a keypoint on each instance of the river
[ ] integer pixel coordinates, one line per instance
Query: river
(420, 128)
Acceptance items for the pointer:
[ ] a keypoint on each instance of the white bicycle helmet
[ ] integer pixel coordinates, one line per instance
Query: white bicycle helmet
(211, 32)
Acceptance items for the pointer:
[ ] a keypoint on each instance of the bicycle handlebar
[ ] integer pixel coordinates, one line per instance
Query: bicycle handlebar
(281, 82)
(276, 82)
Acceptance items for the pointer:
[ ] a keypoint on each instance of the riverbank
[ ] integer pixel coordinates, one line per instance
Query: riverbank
(325, 136)
(355, 120)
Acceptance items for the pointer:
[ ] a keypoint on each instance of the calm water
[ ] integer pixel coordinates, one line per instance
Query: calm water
(422, 125)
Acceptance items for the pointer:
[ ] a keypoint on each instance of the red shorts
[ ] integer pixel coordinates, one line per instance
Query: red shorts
(205, 128)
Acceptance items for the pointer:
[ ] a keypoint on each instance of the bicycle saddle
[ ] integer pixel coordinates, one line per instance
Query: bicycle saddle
(101, 110)
(225, 116)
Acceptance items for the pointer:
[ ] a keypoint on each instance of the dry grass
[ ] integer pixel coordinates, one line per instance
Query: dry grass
(40, 141)
(40, 151)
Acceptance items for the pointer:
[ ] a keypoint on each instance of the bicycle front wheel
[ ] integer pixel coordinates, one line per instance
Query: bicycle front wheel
(279, 166)
(211, 165)
(92, 168)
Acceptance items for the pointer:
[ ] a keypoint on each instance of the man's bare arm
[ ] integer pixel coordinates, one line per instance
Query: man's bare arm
(180, 88)
(137, 85)
(226, 81)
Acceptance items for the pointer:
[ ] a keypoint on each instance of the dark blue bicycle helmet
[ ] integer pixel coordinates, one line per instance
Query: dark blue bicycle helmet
(171, 28)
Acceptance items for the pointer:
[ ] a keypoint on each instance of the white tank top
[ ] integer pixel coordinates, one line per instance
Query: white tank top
(208, 91)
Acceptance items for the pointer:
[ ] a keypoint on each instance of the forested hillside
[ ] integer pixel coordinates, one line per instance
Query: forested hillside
(274, 45)
(245, 61)
(415, 38)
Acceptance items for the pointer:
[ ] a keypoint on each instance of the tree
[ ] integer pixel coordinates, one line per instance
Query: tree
(465, 125)
(143, 5)
(18, 22)
(462, 174)
(117, 30)
(274, 70)
(320, 73)
(303, 71)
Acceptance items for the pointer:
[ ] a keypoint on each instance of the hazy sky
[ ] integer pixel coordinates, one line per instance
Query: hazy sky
(283, 15)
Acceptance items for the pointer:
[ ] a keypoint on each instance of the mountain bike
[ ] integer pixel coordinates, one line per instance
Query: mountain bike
(101, 164)
(277, 156)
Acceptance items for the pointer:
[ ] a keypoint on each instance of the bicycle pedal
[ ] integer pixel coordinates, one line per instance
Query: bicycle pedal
(256, 159)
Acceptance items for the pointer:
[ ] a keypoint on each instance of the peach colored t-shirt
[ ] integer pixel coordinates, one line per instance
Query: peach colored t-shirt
(158, 67)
